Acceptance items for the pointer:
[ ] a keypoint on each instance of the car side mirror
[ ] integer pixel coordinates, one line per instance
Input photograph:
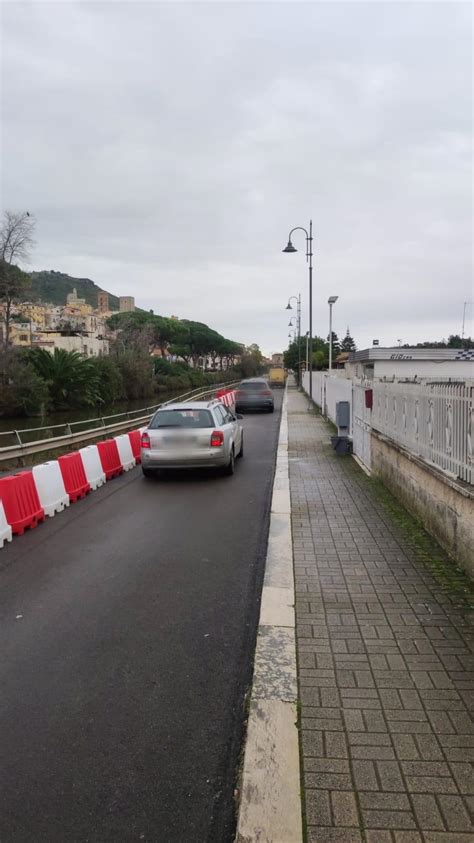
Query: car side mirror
(239, 416)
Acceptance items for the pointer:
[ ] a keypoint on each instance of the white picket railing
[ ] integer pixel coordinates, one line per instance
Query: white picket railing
(434, 421)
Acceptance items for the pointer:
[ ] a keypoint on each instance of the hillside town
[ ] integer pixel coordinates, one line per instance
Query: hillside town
(74, 326)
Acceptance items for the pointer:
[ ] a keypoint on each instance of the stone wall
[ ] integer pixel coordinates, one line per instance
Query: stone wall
(444, 505)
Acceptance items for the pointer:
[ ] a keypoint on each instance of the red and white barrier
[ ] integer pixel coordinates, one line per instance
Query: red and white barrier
(6, 534)
(110, 458)
(94, 472)
(124, 448)
(135, 443)
(50, 487)
(75, 480)
(227, 396)
(21, 502)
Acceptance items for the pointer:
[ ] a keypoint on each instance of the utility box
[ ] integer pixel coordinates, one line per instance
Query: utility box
(341, 443)
(343, 417)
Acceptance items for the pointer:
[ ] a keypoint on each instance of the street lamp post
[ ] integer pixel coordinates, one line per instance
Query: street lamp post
(307, 338)
(298, 322)
(309, 257)
(331, 300)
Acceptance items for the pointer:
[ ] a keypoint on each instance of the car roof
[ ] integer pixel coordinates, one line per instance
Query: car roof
(253, 380)
(190, 405)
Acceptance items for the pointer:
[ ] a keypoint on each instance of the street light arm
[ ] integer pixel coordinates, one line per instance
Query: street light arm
(298, 228)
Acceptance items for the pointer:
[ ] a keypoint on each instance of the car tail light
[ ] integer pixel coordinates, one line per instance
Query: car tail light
(217, 438)
(267, 392)
(240, 392)
(145, 443)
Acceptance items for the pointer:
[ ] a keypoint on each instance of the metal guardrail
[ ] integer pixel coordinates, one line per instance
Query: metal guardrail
(102, 426)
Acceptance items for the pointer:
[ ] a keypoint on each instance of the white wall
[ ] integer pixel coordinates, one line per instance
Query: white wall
(436, 370)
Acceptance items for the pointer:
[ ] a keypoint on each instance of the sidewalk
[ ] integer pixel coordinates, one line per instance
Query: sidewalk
(386, 676)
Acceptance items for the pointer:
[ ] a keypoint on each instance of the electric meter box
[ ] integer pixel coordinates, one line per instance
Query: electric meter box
(343, 411)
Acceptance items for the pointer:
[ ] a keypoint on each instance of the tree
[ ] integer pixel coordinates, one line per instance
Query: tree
(251, 361)
(348, 343)
(16, 242)
(320, 361)
(336, 347)
(24, 392)
(290, 356)
(111, 386)
(72, 380)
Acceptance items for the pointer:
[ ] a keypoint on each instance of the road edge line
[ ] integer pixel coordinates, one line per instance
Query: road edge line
(270, 809)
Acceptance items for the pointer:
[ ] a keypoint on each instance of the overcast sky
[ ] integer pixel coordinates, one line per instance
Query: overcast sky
(166, 149)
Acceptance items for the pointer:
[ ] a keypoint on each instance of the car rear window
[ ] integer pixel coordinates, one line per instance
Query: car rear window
(256, 386)
(181, 418)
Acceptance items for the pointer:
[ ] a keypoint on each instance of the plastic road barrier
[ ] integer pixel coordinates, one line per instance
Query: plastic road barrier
(50, 487)
(135, 440)
(74, 476)
(5, 529)
(110, 458)
(21, 502)
(125, 452)
(94, 472)
(227, 397)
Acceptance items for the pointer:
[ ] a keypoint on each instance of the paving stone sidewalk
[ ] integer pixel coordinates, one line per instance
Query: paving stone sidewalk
(386, 672)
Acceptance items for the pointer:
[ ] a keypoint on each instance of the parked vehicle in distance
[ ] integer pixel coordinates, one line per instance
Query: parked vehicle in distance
(277, 376)
(195, 434)
(254, 394)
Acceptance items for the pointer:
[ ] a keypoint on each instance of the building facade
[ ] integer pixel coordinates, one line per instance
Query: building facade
(126, 304)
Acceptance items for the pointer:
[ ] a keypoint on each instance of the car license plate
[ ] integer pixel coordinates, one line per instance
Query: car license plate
(179, 441)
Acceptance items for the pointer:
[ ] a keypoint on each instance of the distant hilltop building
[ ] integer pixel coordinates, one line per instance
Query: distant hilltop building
(103, 302)
(126, 304)
(73, 300)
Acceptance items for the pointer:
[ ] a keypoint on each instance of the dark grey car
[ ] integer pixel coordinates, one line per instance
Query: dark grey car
(254, 394)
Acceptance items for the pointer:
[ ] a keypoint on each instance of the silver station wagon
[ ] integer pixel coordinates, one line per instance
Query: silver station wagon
(197, 434)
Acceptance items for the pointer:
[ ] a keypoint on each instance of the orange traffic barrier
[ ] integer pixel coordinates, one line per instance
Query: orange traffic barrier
(74, 476)
(21, 502)
(110, 458)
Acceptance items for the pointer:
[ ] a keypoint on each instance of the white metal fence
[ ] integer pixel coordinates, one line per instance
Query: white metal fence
(327, 391)
(434, 421)
(361, 426)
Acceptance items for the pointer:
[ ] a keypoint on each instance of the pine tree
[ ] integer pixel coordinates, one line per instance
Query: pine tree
(348, 343)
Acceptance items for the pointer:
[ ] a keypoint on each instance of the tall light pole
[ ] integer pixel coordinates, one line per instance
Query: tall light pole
(464, 318)
(298, 322)
(309, 258)
(307, 338)
(331, 300)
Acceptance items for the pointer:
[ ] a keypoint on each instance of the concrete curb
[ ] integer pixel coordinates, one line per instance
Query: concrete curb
(270, 805)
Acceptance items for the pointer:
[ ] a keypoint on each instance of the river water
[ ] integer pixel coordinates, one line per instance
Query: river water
(68, 416)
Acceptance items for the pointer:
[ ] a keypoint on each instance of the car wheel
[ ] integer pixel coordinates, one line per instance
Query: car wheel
(241, 452)
(148, 472)
(230, 467)
(270, 409)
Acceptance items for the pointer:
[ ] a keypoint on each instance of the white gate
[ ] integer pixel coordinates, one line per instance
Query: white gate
(361, 425)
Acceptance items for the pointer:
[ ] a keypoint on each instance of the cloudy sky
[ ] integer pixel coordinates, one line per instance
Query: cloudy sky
(166, 149)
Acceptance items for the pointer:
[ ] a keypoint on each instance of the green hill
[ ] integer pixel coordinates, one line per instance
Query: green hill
(53, 287)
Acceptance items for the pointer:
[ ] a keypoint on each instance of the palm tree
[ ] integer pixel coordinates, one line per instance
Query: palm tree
(72, 379)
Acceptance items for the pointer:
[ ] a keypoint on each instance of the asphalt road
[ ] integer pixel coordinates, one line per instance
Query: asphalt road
(127, 631)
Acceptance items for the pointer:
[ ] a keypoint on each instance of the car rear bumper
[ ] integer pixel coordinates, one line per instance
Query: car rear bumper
(262, 404)
(209, 459)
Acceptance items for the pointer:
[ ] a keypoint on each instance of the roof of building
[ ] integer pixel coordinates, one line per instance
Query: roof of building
(370, 355)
